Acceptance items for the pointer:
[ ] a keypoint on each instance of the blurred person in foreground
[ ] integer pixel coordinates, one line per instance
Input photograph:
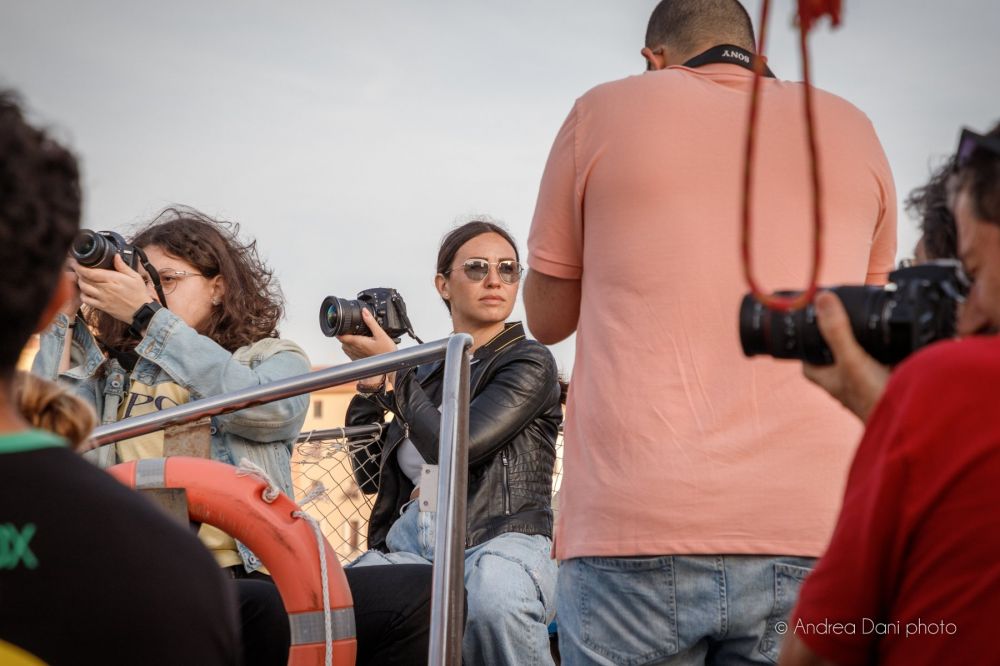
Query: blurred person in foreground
(80, 552)
(912, 574)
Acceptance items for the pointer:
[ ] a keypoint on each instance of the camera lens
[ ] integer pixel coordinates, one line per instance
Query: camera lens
(339, 316)
(94, 250)
(916, 308)
(781, 334)
(796, 335)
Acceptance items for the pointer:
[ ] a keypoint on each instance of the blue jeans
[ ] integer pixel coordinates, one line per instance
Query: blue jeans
(510, 582)
(681, 609)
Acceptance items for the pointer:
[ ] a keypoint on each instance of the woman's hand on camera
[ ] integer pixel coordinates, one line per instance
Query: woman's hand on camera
(362, 346)
(118, 293)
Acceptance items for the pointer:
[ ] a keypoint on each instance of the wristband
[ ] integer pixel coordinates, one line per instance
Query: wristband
(140, 320)
(367, 392)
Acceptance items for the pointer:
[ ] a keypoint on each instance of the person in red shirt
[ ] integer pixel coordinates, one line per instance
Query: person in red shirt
(912, 574)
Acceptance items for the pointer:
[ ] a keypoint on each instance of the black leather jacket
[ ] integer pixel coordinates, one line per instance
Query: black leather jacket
(514, 419)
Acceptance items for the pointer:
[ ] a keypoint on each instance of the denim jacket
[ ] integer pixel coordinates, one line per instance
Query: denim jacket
(172, 351)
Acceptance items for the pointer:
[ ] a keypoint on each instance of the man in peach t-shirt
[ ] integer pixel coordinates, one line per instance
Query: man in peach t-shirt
(699, 485)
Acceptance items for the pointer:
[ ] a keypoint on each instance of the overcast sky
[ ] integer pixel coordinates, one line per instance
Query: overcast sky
(347, 137)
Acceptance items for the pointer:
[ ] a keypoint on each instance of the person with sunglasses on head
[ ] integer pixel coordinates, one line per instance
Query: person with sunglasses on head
(911, 575)
(514, 420)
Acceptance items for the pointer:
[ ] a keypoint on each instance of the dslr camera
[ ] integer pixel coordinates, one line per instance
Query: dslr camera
(97, 249)
(917, 307)
(339, 316)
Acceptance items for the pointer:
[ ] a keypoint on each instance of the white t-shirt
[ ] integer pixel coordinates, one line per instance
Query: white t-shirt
(410, 460)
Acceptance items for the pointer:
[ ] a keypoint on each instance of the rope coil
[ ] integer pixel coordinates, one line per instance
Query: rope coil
(315, 492)
(334, 442)
(249, 468)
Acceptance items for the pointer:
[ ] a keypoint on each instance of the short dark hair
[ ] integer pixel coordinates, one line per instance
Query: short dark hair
(929, 205)
(981, 174)
(40, 204)
(461, 235)
(252, 304)
(686, 25)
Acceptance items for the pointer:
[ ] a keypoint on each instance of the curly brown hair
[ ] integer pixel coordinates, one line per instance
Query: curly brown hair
(252, 302)
(929, 204)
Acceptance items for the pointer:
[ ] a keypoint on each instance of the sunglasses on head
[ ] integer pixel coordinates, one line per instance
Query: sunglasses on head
(476, 270)
(970, 142)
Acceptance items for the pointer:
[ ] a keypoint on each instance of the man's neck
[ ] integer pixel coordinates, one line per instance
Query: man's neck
(679, 58)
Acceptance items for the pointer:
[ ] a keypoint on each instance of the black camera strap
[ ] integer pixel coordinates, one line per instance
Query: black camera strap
(730, 55)
(154, 275)
(401, 309)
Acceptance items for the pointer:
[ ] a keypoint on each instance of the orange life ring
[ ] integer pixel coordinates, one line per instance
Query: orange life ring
(285, 544)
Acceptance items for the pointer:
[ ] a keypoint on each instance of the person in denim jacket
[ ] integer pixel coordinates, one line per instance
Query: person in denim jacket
(217, 334)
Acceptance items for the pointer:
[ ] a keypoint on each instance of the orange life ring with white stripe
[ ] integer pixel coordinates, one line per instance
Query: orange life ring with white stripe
(285, 544)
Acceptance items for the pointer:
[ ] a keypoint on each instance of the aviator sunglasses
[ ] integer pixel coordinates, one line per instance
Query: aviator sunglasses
(476, 270)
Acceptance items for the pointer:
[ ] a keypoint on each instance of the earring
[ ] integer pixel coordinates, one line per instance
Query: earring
(215, 301)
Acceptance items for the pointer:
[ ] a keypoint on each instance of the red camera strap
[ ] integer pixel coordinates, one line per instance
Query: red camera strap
(809, 12)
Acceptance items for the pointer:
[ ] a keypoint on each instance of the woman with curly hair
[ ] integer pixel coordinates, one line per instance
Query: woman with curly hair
(130, 354)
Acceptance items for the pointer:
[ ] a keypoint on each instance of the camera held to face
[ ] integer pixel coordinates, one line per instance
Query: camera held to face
(339, 316)
(916, 308)
(97, 249)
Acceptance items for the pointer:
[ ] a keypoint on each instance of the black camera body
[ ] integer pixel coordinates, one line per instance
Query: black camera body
(916, 308)
(339, 316)
(97, 249)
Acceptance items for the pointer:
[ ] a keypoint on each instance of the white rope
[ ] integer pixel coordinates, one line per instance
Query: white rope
(249, 468)
(324, 574)
(334, 442)
(317, 490)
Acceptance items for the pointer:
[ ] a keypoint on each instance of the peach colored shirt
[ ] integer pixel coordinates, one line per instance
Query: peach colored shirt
(675, 442)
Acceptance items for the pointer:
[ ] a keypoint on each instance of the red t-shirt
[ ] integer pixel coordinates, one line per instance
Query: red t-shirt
(912, 574)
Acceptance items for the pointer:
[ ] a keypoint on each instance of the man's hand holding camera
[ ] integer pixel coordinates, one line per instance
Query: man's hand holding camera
(118, 292)
(855, 379)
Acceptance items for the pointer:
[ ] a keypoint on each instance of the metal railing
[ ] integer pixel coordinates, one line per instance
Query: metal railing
(447, 609)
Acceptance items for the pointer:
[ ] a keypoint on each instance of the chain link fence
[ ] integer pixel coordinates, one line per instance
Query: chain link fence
(324, 456)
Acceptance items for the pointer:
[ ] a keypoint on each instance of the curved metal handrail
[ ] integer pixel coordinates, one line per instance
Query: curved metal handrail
(447, 610)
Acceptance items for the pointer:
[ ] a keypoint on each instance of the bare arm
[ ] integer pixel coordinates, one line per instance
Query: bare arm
(552, 305)
(794, 652)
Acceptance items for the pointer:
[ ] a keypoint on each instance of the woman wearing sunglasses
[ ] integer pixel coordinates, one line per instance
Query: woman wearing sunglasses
(514, 419)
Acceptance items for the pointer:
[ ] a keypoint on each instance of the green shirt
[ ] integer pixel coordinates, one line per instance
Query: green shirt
(29, 440)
